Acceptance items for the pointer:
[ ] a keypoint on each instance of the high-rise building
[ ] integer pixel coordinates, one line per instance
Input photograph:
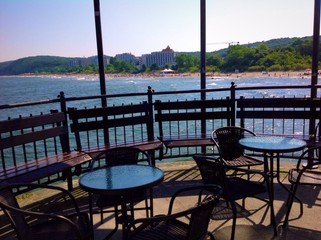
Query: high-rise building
(166, 56)
(128, 57)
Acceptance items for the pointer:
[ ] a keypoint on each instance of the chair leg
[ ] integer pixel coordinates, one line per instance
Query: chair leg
(290, 204)
(234, 220)
(210, 235)
(147, 207)
(151, 204)
(101, 215)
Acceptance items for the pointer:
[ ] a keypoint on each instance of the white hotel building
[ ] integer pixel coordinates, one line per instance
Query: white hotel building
(166, 56)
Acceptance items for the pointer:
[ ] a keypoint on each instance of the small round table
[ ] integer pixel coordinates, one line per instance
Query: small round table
(272, 146)
(120, 180)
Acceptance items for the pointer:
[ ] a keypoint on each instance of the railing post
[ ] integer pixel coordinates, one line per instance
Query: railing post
(63, 108)
(63, 105)
(242, 121)
(233, 100)
(150, 124)
(65, 140)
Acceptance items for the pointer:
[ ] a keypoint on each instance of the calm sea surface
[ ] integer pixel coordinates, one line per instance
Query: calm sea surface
(23, 89)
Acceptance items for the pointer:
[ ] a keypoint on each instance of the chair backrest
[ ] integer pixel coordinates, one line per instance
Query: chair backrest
(8, 201)
(305, 162)
(120, 156)
(227, 139)
(212, 172)
(200, 218)
(25, 139)
(113, 125)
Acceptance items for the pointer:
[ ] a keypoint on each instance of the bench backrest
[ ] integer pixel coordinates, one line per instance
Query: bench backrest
(123, 124)
(185, 117)
(284, 114)
(32, 138)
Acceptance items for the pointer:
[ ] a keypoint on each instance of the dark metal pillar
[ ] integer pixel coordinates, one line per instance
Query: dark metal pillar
(316, 42)
(203, 62)
(315, 62)
(100, 52)
(203, 47)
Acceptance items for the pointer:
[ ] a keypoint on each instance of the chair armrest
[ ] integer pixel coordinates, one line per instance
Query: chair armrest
(45, 216)
(159, 218)
(43, 186)
(209, 188)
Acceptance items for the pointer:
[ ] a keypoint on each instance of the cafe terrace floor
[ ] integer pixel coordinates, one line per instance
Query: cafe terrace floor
(183, 174)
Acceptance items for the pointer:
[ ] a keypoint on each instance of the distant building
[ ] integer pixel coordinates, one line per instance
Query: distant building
(78, 62)
(166, 56)
(94, 60)
(128, 57)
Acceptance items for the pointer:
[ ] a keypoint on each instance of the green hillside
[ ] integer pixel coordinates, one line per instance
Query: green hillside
(275, 54)
(36, 64)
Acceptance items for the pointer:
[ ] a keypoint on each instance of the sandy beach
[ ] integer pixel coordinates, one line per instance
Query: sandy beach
(211, 75)
(280, 74)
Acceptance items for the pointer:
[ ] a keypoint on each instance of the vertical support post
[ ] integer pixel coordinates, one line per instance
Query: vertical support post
(316, 43)
(233, 110)
(203, 61)
(100, 52)
(203, 48)
(315, 62)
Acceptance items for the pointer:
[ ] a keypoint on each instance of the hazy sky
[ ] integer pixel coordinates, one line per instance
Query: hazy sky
(67, 28)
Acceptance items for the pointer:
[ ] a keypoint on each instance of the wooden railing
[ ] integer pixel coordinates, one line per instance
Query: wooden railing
(119, 118)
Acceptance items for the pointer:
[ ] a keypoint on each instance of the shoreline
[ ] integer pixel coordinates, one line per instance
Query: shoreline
(281, 74)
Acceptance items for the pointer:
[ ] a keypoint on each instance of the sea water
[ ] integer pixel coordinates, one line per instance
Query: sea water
(16, 89)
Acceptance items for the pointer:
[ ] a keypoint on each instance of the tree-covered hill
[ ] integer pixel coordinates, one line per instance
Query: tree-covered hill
(273, 55)
(273, 43)
(36, 64)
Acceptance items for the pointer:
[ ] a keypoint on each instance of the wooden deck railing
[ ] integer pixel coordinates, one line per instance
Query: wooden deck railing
(137, 121)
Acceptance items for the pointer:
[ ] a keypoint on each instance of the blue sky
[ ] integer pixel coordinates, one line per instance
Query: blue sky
(66, 27)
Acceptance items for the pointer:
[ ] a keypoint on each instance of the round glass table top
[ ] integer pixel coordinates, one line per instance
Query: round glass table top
(275, 144)
(121, 179)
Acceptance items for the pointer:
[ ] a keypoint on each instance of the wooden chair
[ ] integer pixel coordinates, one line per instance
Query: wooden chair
(121, 156)
(48, 225)
(170, 227)
(230, 151)
(234, 188)
(302, 174)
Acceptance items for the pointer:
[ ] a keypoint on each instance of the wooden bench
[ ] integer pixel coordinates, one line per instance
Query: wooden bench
(97, 129)
(37, 148)
(287, 116)
(190, 123)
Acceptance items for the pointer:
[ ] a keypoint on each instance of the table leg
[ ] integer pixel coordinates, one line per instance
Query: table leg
(90, 204)
(124, 218)
(269, 169)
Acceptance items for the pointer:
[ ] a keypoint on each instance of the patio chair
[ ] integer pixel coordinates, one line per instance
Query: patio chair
(121, 156)
(171, 226)
(35, 225)
(314, 140)
(302, 174)
(230, 151)
(234, 188)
